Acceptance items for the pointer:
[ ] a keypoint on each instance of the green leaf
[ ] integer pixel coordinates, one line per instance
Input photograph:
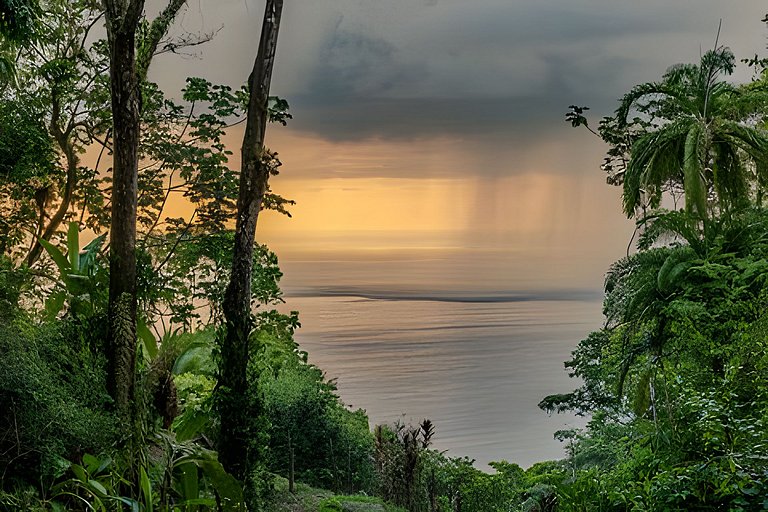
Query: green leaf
(226, 485)
(58, 258)
(196, 358)
(98, 488)
(106, 461)
(57, 507)
(189, 481)
(91, 463)
(73, 247)
(190, 424)
(135, 506)
(79, 472)
(54, 303)
(693, 183)
(147, 339)
(146, 490)
(90, 251)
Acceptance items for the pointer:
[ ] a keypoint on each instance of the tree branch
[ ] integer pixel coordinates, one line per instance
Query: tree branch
(157, 30)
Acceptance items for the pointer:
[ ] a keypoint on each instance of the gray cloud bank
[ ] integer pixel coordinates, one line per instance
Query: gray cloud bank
(356, 69)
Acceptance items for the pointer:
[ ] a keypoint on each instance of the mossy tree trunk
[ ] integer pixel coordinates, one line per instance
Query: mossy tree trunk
(254, 177)
(122, 20)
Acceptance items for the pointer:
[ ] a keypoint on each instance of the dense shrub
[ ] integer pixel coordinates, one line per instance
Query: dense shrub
(330, 446)
(54, 401)
(12, 283)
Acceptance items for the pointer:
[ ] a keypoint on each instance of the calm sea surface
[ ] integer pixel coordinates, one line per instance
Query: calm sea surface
(477, 367)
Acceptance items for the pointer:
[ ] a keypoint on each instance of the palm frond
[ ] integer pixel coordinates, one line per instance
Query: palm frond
(693, 181)
(655, 159)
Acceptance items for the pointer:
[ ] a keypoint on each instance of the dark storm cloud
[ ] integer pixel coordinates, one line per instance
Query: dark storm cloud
(361, 118)
(503, 69)
(357, 65)
(353, 97)
(354, 69)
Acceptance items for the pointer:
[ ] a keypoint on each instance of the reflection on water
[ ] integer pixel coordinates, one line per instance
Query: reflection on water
(477, 369)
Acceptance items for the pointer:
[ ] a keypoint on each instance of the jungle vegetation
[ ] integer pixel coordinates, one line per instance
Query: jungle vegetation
(145, 366)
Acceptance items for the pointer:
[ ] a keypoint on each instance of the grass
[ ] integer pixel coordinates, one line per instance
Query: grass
(310, 499)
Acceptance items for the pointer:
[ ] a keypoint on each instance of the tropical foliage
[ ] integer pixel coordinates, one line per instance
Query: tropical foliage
(674, 384)
(690, 134)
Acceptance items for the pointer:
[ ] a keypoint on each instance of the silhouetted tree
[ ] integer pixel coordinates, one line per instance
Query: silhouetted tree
(257, 166)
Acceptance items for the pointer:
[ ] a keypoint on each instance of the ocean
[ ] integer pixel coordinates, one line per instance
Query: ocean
(476, 365)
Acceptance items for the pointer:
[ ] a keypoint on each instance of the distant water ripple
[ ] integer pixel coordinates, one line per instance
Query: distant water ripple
(477, 368)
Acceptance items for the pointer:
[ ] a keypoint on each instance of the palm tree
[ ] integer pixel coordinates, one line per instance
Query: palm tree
(692, 130)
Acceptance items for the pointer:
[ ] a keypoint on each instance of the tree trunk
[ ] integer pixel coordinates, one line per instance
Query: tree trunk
(254, 175)
(122, 18)
(64, 141)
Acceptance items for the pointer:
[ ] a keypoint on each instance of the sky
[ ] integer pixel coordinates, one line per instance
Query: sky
(436, 126)
(440, 190)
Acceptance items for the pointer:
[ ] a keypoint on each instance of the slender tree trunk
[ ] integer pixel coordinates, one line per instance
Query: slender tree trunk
(64, 140)
(122, 18)
(254, 176)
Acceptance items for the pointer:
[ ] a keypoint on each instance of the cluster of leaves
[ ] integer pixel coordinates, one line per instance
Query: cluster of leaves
(690, 134)
(675, 381)
(17, 19)
(419, 479)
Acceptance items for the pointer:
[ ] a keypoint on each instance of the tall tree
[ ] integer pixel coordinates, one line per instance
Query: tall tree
(123, 18)
(257, 165)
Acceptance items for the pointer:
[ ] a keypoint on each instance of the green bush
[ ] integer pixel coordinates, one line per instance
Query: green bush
(55, 403)
(330, 505)
(331, 446)
(12, 284)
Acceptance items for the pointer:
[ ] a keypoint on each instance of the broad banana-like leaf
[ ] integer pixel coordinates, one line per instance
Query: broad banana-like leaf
(147, 339)
(73, 247)
(190, 486)
(61, 261)
(190, 424)
(228, 487)
(90, 251)
(196, 358)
